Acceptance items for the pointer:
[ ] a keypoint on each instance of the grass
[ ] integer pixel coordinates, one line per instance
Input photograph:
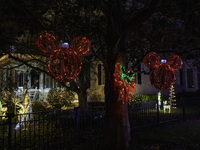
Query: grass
(178, 136)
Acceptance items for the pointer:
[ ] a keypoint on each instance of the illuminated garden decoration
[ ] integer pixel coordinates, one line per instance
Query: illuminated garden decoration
(81, 45)
(63, 64)
(124, 80)
(47, 43)
(162, 75)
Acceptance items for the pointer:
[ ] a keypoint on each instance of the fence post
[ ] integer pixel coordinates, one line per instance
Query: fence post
(158, 111)
(9, 115)
(183, 107)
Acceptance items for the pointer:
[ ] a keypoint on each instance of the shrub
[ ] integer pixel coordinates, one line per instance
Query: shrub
(147, 98)
(58, 98)
(40, 105)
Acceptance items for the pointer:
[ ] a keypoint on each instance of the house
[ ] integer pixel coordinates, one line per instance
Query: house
(187, 79)
(21, 75)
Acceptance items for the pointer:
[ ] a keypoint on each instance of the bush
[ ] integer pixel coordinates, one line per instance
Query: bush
(40, 105)
(58, 98)
(147, 98)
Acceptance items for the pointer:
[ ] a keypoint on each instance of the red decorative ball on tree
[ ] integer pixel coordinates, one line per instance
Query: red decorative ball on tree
(64, 64)
(162, 77)
(81, 45)
(175, 62)
(151, 59)
(47, 43)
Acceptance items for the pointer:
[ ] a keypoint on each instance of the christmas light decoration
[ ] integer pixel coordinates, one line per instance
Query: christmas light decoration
(172, 97)
(162, 75)
(47, 43)
(64, 64)
(124, 79)
(81, 45)
(151, 60)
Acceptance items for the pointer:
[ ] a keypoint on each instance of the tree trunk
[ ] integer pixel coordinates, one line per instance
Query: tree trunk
(117, 129)
(82, 101)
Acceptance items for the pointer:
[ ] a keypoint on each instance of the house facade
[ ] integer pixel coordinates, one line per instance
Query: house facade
(187, 79)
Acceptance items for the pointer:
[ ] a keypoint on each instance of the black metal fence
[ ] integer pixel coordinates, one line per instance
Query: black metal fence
(58, 129)
(69, 129)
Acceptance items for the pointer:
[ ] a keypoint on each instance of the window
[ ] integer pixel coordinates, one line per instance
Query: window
(139, 75)
(34, 79)
(181, 76)
(21, 78)
(190, 78)
(99, 74)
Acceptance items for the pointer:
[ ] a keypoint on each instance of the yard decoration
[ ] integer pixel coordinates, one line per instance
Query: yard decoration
(47, 43)
(124, 79)
(64, 64)
(172, 97)
(162, 75)
(81, 45)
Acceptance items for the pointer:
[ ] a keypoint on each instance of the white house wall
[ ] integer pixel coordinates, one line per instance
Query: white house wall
(96, 89)
(145, 88)
(187, 66)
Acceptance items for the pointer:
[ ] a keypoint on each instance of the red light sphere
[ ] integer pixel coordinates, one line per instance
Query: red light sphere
(151, 59)
(81, 45)
(64, 64)
(47, 43)
(162, 77)
(175, 62)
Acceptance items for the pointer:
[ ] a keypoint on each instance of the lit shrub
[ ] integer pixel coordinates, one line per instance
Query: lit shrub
(40, 105)
(59, 98)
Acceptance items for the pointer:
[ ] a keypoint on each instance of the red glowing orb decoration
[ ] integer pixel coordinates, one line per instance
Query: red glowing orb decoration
(64, 64)
(81, 45)
(151, 59)
(162, 75)
(47, 43)
(124, 79)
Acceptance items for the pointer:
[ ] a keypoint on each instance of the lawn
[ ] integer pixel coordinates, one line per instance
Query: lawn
(177, 136)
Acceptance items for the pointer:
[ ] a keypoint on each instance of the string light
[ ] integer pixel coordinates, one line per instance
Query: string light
(64, 64)
(162, 75)
(47, 43)
(81, 45)
(124, 79)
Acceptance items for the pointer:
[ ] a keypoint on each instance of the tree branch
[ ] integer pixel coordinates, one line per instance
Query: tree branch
(142, 15)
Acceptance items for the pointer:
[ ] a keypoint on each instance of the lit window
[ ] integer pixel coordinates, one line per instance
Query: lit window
(190, 78)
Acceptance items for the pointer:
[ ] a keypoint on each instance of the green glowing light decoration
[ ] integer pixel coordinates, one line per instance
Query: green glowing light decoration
(124, 79)
(127, 76)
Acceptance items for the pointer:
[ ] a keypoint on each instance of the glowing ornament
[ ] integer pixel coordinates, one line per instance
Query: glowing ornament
(124, 79)
(162, 75)
(47, 43)
(151, 60)
(81, 45)
(64, 64)
(175, 62)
